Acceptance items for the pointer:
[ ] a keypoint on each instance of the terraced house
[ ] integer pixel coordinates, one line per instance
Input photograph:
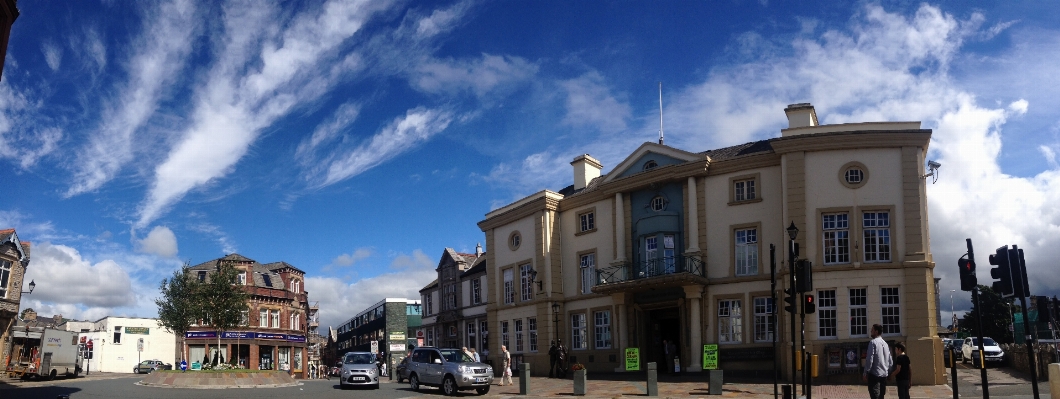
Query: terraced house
(674, 245)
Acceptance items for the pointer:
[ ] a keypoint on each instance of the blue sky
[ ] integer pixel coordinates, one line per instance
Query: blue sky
(356, 140)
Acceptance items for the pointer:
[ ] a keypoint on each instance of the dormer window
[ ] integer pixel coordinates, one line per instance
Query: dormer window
(650, 165)
(241, 279)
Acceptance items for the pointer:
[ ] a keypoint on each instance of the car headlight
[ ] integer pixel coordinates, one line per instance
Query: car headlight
(371, 371)
(489, 369)
(465, 369)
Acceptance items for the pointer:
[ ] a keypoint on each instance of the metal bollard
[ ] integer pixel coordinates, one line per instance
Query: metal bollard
(716, 381)
(524, 378)
(653, 380)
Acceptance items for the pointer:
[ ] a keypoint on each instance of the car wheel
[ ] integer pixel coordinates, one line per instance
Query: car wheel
(414, 382)
(449, 386)
(484, 390)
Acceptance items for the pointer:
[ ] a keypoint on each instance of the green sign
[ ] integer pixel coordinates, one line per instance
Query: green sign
(138, 330)
(632, 359)
(710, 357)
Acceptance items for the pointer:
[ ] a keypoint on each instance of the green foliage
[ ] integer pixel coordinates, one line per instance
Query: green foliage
(24, 311)
(222, 302)
(996, 316)
(178, 306)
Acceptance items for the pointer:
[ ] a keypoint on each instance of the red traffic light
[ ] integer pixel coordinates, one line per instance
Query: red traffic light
(89, 344)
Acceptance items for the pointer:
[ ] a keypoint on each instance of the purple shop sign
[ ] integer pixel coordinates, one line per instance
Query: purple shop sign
(200, 334)
(237, 335)
(271, 336)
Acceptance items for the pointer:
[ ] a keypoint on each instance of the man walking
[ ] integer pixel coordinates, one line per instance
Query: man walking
(877, 364)
(561, 353)
(553, 358)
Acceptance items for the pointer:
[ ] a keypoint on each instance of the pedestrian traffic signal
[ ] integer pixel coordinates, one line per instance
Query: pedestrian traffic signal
(808, 305)
(1002, 273)
(789, 298)
(803, 275)
(967, 270)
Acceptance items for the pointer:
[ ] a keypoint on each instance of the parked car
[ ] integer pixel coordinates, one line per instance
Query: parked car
(148, 366)
(992, 352)
(448, 368)
(401, 371)
(953, 345)
(359, 369)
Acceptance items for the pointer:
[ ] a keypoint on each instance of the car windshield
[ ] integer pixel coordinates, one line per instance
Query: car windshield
(360, 358)
(986, 341)
(456, 356)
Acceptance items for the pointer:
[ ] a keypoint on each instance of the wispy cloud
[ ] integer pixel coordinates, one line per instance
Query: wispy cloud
(478, 76)
(350, 259)
(159, 55)
(328, 131)
(591, 103)
(53, 55)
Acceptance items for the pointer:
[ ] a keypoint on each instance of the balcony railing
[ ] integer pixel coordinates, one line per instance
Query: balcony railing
(650, 268)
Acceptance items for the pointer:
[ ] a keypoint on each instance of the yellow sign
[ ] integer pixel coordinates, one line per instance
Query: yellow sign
(632, 359)
(710, 357)
(397, 336)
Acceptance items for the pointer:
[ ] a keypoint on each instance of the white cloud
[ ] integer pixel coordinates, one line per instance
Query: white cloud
(159, 56)
(63, 277)
(327, 131)
(25, 136)
(340, 300)
(227, 246)
(442, 20)
(346, 260)
(160, 241)
(591, 103)
(404, 133)
(491, 72)
(53, 55)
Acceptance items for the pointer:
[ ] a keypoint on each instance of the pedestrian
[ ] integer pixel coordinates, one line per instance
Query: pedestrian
(474, 355)
(666, 356)
(553, 359)
(671, 358)
(507, 373)
(467, 353)
(902, 372)
(877, 364)
(562, 353)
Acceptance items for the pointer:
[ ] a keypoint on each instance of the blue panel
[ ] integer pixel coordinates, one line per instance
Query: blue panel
(647, 222)
(660, 160)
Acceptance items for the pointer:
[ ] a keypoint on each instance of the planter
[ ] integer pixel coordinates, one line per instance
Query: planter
(579, 382)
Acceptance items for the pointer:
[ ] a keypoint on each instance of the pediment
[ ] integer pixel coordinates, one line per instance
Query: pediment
(661, 154)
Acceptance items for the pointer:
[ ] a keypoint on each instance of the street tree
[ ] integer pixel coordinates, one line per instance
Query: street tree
(996, 314)
(223, 301)
(178, 307)
(24, 311)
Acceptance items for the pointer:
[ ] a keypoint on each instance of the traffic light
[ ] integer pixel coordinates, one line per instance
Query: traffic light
(789, 298)
(803, 276)
(1044, 315)
(1020, 286)
(1002, 273)
(967, 270)
(808, 305)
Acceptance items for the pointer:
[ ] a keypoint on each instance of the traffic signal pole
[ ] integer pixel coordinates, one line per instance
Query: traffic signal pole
(776, 313)
(979, 320)
(1020, 277)
(791, 284)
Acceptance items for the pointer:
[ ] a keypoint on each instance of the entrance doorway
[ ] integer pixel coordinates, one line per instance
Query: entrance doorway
(665, 326)
(265, 361)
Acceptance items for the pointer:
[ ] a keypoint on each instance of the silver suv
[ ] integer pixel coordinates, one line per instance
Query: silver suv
(450, 369)
(359, 369)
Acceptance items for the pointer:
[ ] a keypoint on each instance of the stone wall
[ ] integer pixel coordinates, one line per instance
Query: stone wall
(1016, 356)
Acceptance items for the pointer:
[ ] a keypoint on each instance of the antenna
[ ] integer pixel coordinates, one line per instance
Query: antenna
(660, 115)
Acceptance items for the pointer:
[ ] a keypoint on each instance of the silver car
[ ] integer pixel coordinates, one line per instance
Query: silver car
(359, 369)
(450, 369)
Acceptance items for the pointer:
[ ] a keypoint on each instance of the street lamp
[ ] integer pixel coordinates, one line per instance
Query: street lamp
(32, 285)
(555, 321)
(793, 232)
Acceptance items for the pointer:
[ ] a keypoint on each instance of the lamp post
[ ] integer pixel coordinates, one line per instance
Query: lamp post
(793, 232)
(952, 316)
(555, 321)
(32, 285)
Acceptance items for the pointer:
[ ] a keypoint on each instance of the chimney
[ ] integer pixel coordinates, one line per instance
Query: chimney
(478, 249)
(586, 168)
(30, 315)
(801, 115)
(57, 319)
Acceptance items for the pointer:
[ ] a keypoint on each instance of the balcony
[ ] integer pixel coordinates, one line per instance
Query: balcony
(652, 273)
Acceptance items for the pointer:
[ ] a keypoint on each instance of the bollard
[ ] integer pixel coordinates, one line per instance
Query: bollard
(653, 380)
(787, 391)
(524, 378)
(1054, 380)
(716, 381)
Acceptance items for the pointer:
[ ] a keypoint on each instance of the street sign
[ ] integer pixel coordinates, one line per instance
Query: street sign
(375, 346)
(710, 357)
(632, 359)
(140, 345)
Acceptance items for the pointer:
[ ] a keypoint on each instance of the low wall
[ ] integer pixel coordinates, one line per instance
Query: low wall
(227, 379)
(1016, 356)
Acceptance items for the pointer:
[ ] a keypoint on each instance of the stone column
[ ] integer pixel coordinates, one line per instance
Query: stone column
(693, 293)
(620, 229)
(693, 217)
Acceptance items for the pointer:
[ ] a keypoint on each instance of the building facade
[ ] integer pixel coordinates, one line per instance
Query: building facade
(276, 326)
(14, 259)
(455, 303)
(387, 327)
(120, 343)
(674, 245)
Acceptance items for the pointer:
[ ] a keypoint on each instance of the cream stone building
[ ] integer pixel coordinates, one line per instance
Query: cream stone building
(675, 245)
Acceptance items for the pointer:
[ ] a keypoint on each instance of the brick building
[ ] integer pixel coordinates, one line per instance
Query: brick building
(14, 259)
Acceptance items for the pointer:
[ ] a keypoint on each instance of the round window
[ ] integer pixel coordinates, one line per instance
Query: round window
(650, 165)
(514, 240)
(658, 203)
(853, 174)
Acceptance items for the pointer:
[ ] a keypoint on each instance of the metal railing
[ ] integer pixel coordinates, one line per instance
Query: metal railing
(650, 268)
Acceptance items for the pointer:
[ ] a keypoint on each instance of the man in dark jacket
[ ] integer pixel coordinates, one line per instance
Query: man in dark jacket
(553, 359)
(562, 352)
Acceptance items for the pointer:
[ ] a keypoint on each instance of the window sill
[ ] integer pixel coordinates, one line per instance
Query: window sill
(750, 201)
(581, 233)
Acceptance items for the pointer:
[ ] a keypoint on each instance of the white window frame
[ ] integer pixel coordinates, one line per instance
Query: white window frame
(859, 312)
(244, 318)
(5, 277)
(518, 335)
(117, 336)
(876, 231)
(746, 251)
(602, 329)
(890, 310)
(476, 291)
(241, 278)
(744, 190)
(588, 271)
(430, 337)
(764, 310)
(275, 319)
(509, 286)
(471, 342)
(526, 283)
(428, 299)
(835, 237)
(531, 327)
(827, 316)
(730, 321)
(587, 221)
(504, 334)
(483, 329)
(577, 332)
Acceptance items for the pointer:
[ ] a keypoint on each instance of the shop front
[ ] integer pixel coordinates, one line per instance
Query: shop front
(252, 350)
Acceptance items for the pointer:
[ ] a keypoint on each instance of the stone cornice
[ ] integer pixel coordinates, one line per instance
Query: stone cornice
(844, 141)
(543, 203)
(744, 163)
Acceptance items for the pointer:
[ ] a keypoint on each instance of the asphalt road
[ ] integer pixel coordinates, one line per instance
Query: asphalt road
(1002, 382)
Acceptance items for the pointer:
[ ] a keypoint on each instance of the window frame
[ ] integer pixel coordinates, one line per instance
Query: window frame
(755, 179)
(763, 317)
(579, 339)
(470, 336)
(504, 334)
(827, 309)
(586, 286)
(889, 235)
(476, 291)
(275, 318)
(852, 165)
(526, 282)
(263, 318)
(515, 240)
(117, 336)
(7, 268)
(518, 328)
(531, 328)
(602, 336)
(863, 323)
(825, 230)
(735, 330)
(586, 221)
(893, 328)
(733, 245)
(508, 284)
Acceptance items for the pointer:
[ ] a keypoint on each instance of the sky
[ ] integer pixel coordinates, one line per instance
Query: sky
(356, 140)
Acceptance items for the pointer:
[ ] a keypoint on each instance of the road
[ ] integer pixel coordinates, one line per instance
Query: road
(1003, 382)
